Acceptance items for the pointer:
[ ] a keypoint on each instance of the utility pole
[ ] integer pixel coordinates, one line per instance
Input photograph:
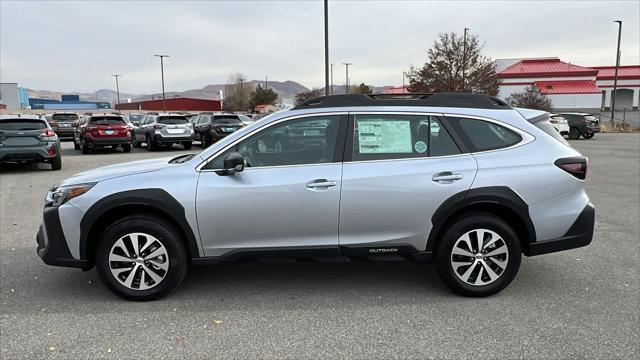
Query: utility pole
(117, 86)
(464, 59)
(164, 101)
(346, 86)
(615, 76)
(326, 47)
(331, 79)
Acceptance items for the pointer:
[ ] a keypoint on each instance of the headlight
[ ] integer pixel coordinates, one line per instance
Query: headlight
(60, 195)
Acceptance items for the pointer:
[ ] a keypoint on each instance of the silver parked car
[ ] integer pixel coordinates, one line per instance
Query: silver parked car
(29, 138)
(163, 130)
(462, 179)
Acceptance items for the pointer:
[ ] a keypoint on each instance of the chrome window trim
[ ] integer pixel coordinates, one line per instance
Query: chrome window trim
(290, 118)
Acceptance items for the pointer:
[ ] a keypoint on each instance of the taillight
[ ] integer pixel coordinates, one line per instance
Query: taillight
(157, 126)
(47, 134)
(576, 166)
(52, 150)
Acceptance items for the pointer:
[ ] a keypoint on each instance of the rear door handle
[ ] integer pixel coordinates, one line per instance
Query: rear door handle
(321, 183)
(446, 177)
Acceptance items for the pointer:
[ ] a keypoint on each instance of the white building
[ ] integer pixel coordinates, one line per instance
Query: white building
(569, 86)
(9, 96)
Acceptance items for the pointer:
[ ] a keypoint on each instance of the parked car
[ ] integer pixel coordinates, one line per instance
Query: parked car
(560, 124)
(583, 124)
(64, 123)
(246, 120)
(210, 127)
(445, 177)
(29, 138)
(102, 131)
(164, 129)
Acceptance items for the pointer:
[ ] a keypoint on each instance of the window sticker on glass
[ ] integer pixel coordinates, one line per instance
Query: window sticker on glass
(379, 136)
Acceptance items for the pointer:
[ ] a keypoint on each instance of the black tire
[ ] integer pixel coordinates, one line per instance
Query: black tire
(56, 163)
(205, 140)
(135, 143)
(588, 136)
(187, 145)
(85, 148)
(574, 133)
(126, 148)
(460, 226)
(166, 234)
(76, 146)
(151, 146)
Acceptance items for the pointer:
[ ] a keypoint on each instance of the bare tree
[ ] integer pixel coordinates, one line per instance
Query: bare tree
(237, 93)
(530, 98)
(453, 65)
(307, 95)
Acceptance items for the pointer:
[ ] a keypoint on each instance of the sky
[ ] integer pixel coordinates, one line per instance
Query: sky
(77, 45)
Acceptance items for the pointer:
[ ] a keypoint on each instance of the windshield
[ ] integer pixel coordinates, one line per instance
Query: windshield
(172, 120)
(22, 125)
(104, 120)
(65, 117)
(226, 119)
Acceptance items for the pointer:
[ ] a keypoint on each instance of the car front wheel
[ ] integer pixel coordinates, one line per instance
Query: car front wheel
(574, 134)
(588, 136)
(479, 255)
(141, 258)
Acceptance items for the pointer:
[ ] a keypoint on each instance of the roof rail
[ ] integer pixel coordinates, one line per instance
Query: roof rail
(449, 99)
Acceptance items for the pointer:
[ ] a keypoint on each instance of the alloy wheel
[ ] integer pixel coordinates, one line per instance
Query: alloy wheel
(479, 257)
(138, 261)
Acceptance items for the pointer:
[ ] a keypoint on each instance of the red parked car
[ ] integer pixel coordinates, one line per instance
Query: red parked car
(104, 131)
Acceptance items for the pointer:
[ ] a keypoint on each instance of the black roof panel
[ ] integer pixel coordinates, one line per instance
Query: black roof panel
(460, 100)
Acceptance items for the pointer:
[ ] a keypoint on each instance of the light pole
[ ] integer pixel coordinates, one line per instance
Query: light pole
(164, 103)
(615, 76)
(326, 47)
(346, 86)
(404, 74)
(464, 59)
(266, 82)
(331, 92)
(117, 86)
(241, 92)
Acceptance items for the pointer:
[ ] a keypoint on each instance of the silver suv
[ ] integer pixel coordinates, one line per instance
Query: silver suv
(462, 179)
(163, 130)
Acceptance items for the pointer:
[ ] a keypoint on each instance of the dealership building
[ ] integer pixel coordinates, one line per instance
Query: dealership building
(569, 86)
(173, 104)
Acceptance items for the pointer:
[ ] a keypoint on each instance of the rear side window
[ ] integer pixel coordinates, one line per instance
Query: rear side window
(172, 120)
(384, 137)
(107, 120)
(22, 125)
(483, 135)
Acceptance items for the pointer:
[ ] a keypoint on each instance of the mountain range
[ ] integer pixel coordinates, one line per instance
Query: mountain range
(286, 91)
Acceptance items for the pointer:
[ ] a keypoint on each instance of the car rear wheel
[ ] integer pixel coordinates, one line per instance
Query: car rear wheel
(187, 145)
(479, 255)
(588, 136)
(76, 146)
(85, 148)
(126, 148)
(141, 258)
(135, 142)
(56, 163)
(574, 134)
(151, 146)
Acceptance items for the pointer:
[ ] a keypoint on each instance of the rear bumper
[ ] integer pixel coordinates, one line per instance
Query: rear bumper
(165, 139)
(64, 131)
(52, 245)
(579, 234)
(96, 142)
(36, 153)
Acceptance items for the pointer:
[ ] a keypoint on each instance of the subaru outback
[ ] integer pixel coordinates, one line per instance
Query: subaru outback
(461, 179)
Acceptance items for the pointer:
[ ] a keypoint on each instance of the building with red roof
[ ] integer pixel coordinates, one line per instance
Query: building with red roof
(569, 86)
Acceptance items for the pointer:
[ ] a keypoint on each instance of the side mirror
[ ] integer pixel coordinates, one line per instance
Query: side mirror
(136, 123)
(233, 163)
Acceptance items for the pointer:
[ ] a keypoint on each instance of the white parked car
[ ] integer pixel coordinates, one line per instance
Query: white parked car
(560, 124)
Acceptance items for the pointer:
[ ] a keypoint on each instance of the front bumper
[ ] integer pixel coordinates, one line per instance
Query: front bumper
(52, 245)
(579, 234)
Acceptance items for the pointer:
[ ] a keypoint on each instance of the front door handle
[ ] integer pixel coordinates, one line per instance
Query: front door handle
(446, 177)
(321, 183)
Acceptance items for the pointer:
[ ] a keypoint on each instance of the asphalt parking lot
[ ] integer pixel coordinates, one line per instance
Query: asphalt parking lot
(582, 303)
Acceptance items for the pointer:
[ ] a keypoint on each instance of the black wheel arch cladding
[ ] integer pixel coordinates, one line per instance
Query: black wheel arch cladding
(477, 199)
(157, 200)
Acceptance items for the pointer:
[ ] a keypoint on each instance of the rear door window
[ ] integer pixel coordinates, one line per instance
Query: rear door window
(385, 137)
(483, 135)
(226, 119)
